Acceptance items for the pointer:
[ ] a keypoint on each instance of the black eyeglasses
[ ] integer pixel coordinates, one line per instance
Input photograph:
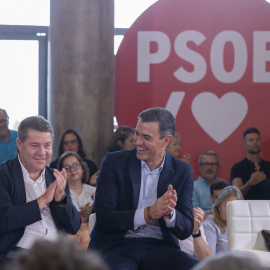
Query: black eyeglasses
(71, 142)
(75, 166)
(206, 164)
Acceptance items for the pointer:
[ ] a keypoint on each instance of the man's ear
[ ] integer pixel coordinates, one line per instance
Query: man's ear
(19, 144)
(167, 139)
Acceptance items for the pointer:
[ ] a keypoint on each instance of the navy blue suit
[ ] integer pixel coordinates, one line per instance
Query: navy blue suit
(16, 214)
(117, 197)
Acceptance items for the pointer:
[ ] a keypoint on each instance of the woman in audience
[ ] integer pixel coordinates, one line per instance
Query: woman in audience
(71, 141)
(215, 227)
(82, 195)
(122, 139)
(174, 148)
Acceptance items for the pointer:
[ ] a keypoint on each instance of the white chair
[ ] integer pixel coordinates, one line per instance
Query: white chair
(245, 220)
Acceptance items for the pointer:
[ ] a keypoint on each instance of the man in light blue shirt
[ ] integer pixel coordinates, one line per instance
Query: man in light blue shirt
(209, 166)
(8, 144)
(144, 201)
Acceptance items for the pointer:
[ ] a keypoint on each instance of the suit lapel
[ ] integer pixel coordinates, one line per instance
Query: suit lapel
(166, 175)
(135, 176)
(17, 177)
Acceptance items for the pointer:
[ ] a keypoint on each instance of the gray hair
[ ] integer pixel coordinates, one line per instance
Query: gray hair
(224, 194)
(231, 260)
(60, 254)
(163, 117)
(38, 123)
(208, 153)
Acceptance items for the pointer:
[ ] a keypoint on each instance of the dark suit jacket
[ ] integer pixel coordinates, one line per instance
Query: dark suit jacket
(16, 214)
(117, 197)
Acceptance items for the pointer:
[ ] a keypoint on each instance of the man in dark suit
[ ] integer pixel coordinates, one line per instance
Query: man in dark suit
(34, 199)
(144, 201)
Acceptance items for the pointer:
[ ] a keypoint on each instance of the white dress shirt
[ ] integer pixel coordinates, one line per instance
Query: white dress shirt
(45, 228)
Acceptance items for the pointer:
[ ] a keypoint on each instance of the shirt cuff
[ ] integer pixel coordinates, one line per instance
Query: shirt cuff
(170, 222)
(139, 218)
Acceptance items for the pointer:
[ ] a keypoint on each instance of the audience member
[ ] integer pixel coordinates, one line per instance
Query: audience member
(71, 141)
(8, 138)
(209, 166)
(231, 261)
(82, 195)
(122, 139)
(196, 244)
(60, 254)
(215, 227)
(174, 149)
(251, 175)
(144, 201)
(34, 200)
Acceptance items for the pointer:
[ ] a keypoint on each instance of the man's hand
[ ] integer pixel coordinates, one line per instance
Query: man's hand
(47, 197)
(165, 204)
(60, 181)
(93, 179)
(186, 158)
(198, 215)
(256, 178)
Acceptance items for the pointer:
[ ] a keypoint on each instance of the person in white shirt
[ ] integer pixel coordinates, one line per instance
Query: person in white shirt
(34, 199)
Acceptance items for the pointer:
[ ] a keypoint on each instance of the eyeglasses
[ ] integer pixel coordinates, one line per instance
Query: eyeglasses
(75, 166)
(71, 142)
(206, 164)
(3, 120)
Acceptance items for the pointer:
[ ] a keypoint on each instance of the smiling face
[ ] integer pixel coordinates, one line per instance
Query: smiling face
(150, 147)
(73, 174)
(174, 147)
(252, 143)
(35, 152)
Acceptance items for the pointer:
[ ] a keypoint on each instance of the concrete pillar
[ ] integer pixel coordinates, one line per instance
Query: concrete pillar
(81, 72)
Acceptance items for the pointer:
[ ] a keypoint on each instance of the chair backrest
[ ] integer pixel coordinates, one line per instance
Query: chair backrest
(245, 220)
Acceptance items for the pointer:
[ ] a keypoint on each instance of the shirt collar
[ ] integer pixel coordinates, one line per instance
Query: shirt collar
(252, 162)
(155, 171)
(25, 172)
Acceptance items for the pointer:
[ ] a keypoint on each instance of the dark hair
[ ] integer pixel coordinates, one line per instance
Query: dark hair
(4, 111)
(251, 130)
(208, 153)
(81, 152)
(163, 117)
(85, 168)
(121, 134)
(218, 184)
(38, 123)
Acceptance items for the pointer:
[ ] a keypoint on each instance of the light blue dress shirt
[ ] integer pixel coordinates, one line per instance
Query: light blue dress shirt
(148, 196)
(9, 150)
(201, 195)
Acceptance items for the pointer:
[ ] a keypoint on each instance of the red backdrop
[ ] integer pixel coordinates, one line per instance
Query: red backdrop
(208, 62)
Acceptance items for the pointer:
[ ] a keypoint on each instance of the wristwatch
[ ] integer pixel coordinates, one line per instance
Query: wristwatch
(62, 201)
(197, 235)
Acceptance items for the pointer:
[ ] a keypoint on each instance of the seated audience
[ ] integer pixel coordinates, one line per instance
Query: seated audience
(252, 174)
(174, 149)
(196, 244)
(72, 142)
(8, 137)
(231, 261)
(215, 227)
(209, 166)
(122, 139)
(82, 195)
(60, 254)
